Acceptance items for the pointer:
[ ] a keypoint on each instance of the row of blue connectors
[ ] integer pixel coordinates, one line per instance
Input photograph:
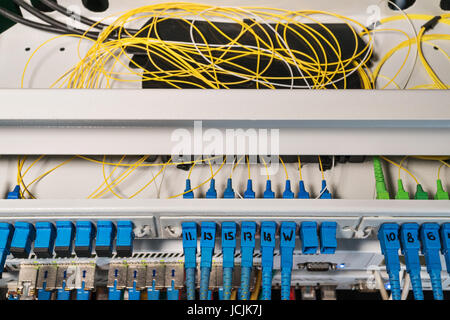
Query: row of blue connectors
(310, 234)
(60, 239)
(229, 192)
(411, 238)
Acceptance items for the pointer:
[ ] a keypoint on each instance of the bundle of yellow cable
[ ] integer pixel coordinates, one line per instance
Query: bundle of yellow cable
(109, 183)
(108, 61)
(419, 40)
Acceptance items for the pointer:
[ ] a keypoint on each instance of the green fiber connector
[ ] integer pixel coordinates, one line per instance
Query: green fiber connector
(380, 184)
(441, 194)
(402, 194)
(420, 194)
(382, 193)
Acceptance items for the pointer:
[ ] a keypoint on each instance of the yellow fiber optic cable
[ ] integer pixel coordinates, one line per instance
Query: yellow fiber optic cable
(398, 166)
(285, 169)
(439, 172)
(151, 181)
(255, 293)
(109, 176)
(200, 185)
(119, 179)
(26, 188)
(97, 68)
(299, 167)
(425, 63)
(321, 168)
(265, 166)
(248, 167)
(235, 165)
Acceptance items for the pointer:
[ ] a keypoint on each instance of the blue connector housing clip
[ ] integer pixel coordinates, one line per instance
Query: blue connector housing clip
(287, 243)
(189, 244)
(45, 239)
(388, 236)
(325, 193)
(63, 294)
(65, 233)
(287, 193)
(229, 192)
(83, 294)
(106, 233)
(43, 294)
(390, 245)
(207, 243)
(445, 238)
(309, 237)
(172, 293)
(268, 235)
(249, 193)
(125, 238)
(302, 193)
(328, 242)
(211, 193)
(268, 193)
(228, 252)
(15, 194)
(153, 294)
(268, 241)
(6, 235)
(134, 293)
(114, 293)
(410, 245)
(431, 247)
(190, 194)
(84, 238)
(24, 235)
(228, 243)
(248, 231)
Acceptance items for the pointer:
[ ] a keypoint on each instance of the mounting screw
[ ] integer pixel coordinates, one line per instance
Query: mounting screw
(172, 231)
(143, 231)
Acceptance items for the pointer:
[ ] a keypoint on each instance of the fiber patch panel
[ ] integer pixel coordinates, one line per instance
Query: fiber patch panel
(222, 150)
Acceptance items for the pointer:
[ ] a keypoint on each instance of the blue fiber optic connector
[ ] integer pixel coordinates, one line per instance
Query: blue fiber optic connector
(388, 236)
(248, 232)
(188, 194)
(207, 244)
(24, 235)
(45, 239)
(189, 231)
(268, 193)
(228, 252)
(268, 236)
(445, 238)
(106, 233)
(431, 246)
(328, 242)
(249, 193)
(302, 193)
(410, 244)
(309, 237)
(229, 192)
(287, 245)
(6, 235)
(65, 234)
(125, 238)
(287, 193)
